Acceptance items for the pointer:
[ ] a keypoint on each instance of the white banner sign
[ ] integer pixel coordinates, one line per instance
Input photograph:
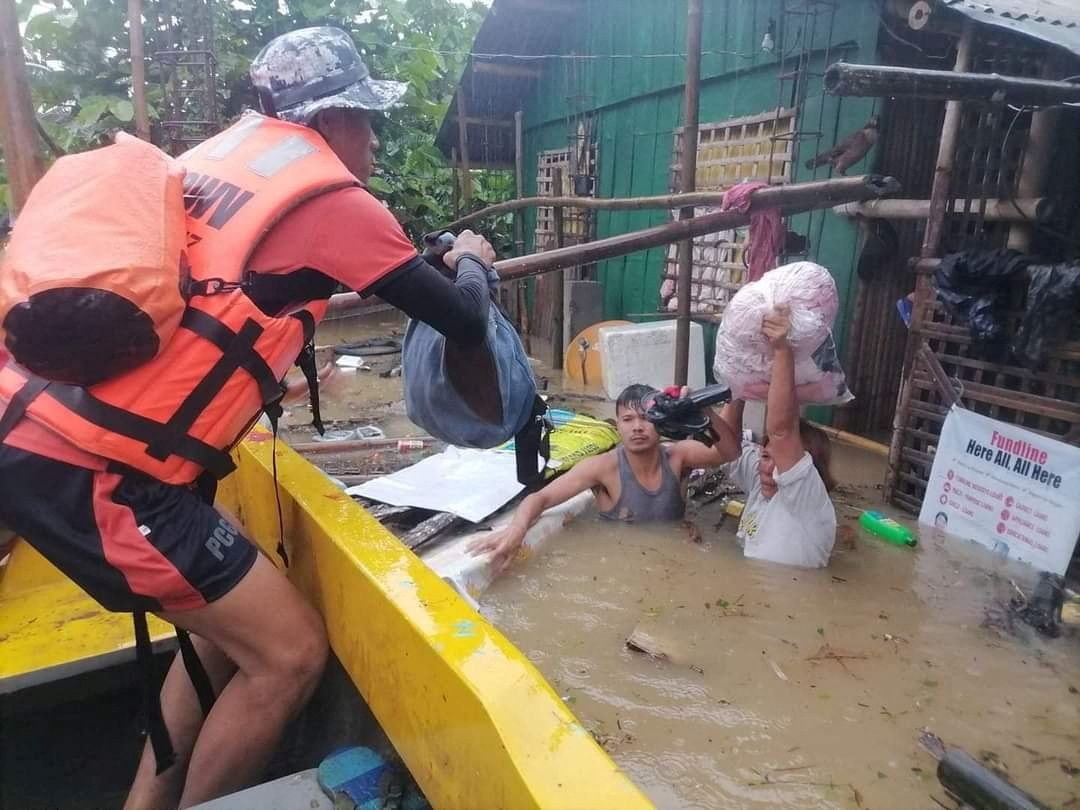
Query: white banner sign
(1011, 490)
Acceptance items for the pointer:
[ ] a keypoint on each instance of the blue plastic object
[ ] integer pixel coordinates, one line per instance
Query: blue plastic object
(364, 778)
(905, 307)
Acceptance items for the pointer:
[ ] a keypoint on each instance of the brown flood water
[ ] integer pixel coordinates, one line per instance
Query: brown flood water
(793, 688)
(784, 688)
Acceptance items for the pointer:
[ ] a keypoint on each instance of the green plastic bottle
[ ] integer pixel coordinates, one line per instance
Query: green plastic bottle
(887, 529)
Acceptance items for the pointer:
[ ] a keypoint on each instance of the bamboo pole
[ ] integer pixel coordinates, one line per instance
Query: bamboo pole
(455, 195)
(559, 280)
(854, 440)
(18, 137)
(793, 198)
(1037, 156)
(519, 225)
(688, 173)
(138, 69)
(463, 147)
(519, 188)
(1019, 210)
(659, 201)
(938, 375)
(843, 79)
(931, 247)
(362, 445)
(790, 199)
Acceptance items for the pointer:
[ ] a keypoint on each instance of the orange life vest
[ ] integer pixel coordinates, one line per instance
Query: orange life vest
(181, 412)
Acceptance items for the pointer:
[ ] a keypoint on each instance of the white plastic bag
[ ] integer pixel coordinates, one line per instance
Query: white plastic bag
(743, 360)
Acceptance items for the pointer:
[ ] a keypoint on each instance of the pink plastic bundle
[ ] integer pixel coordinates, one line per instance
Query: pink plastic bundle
(743, 359)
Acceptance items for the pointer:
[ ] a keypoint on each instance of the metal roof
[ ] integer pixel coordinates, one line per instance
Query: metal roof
(495, 83)
(1054, 21)
(497, 79)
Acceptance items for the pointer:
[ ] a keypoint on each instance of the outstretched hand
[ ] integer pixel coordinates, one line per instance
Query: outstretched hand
(503, 546)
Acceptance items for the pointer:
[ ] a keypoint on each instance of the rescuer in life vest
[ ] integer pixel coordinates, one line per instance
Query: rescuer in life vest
(129, 526)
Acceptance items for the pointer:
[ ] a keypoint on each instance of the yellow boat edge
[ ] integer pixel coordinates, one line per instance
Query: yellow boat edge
(475, 722)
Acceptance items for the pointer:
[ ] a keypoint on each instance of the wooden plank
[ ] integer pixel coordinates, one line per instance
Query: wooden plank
(428, 530)
(785, 112)
(914, 480)
(507, 71)
(962, 335)
(1013, 400)
(754, 139)
(18, 134)
(929, 411)
(463, 147)
(907, 503)
(484, 122)
(138, 69)
(742, 160)
(938, 375)
(917, 457)
(922, 435)
(1047, 377)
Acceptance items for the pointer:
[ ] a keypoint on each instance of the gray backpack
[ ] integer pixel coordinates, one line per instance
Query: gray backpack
(478, 397)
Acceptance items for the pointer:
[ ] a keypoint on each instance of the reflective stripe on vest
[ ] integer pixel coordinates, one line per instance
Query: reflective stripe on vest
(180, 413)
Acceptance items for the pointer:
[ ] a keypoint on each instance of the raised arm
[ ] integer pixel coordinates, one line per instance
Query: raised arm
(732, 414)
(782, 407)
(503, 545)
(459, 308)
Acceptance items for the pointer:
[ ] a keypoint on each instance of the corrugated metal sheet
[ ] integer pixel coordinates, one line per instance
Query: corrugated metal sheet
(1053, 21)
(513, 30)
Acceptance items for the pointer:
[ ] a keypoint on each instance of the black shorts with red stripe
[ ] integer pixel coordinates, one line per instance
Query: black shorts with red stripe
(130, 541)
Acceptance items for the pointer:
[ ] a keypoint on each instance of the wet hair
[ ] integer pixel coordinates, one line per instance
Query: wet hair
(631, 396)
(816, 443)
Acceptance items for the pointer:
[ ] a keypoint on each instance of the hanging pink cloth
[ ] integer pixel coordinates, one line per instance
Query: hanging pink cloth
(766, 228)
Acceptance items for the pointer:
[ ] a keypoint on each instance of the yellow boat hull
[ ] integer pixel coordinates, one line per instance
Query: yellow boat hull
(474, 721)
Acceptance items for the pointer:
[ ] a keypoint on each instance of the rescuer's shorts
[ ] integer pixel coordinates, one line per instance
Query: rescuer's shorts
(130, 541)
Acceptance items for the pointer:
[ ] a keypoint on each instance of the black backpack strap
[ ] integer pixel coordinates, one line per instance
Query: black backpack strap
(196, 671)
(534, 439)
(306, 362)
(273, 413)
(164, 755)
(238, 351)
(16, 408)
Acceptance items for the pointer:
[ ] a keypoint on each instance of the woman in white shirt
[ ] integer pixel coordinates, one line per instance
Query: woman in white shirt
(788, 517)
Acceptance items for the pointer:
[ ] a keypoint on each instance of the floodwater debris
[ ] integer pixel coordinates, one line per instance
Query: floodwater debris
(692, 531)
(779, 672)
(827, 652)
(649, 640)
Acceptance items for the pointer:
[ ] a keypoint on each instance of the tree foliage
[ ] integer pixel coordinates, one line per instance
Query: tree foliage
(79, 66)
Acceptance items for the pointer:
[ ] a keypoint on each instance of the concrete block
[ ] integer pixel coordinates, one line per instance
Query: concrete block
(645, 353)
(583, 305)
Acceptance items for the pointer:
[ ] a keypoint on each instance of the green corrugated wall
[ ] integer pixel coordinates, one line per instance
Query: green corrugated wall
(638, 104)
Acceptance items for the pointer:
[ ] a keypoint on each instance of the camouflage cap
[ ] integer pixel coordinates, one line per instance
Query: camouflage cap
(303, 72)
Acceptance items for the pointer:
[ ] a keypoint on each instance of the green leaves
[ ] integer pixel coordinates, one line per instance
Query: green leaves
(81, 80)
(378, 185)
(122, 109)
(91, 109)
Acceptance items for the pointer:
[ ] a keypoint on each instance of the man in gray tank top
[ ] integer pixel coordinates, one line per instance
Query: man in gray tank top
(640, 481)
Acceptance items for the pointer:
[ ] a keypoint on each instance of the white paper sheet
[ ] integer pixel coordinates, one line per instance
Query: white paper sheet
(469, 483)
